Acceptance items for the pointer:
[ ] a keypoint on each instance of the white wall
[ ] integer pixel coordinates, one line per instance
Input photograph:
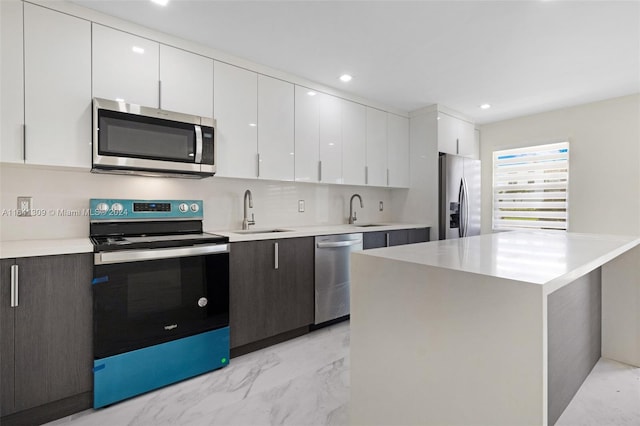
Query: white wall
(604, 161)
(275, 203)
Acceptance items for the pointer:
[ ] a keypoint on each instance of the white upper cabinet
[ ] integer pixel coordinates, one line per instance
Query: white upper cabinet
(275, 129)
(456, 136)
(307, 135)
(398, 151)
(467, 140)
(330, 139)
(125, 67)
(376, 147)
(354, 143)
(235, 106)
(448, 129)
(57, 88)
(186, 82)
(11, 82)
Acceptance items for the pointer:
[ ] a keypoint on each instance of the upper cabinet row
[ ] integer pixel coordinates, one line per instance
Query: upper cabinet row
(266, 128)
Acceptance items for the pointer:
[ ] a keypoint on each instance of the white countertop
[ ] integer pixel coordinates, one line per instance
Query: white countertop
(310, 231)
(29, 248)
(552, 259)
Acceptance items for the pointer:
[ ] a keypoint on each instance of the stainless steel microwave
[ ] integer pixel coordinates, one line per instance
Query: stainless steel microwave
(133, 139)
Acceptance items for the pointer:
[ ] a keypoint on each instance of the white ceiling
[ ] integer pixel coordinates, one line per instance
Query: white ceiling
(521, 57)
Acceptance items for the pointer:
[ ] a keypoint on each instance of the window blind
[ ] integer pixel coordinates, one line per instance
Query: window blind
(531, 187)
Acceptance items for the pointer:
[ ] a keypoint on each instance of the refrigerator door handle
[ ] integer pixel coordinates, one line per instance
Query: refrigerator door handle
(460, 209)
(466, 207)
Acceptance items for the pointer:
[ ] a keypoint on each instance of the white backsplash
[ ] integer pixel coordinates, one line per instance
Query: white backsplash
(275, 203)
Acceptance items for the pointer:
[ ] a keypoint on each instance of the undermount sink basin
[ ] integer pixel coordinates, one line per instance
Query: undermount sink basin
(261, 231)
(369, 225)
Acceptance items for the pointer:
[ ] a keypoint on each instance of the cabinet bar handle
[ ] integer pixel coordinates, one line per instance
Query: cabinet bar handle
(159, 94)
(457, 146)
(387, 239)
(320, 171)
(387, 177)
(258, 164)
(275, 260)
(24, 142)
(366, 175)
(14, 286)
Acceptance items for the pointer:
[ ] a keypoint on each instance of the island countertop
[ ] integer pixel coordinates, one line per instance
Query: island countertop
(549, 258)
(498, 329)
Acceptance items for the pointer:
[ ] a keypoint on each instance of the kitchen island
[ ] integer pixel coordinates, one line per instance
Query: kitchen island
(497, 329)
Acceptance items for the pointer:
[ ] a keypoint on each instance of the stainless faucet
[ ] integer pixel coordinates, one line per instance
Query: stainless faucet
(352, 213)
(248, 203)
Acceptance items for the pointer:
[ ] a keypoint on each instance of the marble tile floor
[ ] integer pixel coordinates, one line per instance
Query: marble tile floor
(305, 381)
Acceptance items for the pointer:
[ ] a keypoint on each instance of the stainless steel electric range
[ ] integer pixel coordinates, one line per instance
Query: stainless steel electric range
(160, 296)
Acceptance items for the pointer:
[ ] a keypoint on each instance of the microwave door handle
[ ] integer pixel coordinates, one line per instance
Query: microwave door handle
(198, 158)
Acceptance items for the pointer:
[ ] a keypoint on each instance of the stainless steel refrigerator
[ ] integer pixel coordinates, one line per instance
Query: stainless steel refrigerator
(459, 196)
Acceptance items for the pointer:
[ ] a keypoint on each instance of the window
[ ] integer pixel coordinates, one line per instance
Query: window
(531, 187)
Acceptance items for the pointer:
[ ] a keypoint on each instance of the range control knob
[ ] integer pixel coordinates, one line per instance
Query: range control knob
(195, 207)
(202, 302)
(183, 207)
(102, 208)
(117, 208)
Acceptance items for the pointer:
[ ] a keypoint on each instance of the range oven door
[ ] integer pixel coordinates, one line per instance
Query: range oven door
(146, 302)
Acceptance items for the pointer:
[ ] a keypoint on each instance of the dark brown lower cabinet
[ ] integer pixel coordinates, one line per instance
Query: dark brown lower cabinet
(46, 340)
(397, 237)
(271, 288)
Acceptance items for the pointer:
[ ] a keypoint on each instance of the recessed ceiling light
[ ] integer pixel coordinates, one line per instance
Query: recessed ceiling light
(252, 124)
(345, 77)
(137, 49)
(311, 93)
(119, 100)
(485, 106)
(160, 2)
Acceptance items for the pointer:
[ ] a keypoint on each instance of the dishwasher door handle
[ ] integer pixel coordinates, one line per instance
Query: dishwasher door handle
(339, 243)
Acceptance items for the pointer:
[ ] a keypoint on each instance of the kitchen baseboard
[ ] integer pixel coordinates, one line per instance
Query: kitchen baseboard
(50, 411)
(269, 341)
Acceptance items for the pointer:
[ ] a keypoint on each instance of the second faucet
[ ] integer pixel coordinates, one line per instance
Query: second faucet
(352, 213)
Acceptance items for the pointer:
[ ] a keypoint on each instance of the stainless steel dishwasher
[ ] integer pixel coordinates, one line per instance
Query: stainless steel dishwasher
(332, 275)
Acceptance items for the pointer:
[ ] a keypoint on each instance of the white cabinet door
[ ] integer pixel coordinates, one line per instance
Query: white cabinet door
(11, 82)
(398, 151)
(186, 82)
(57, 67)
(354, 145)
(235, 106)
(376, 147)
(275, 129)
(330, 139)
(466, 139)
(448, 130)
(125, 67)
(307, 134)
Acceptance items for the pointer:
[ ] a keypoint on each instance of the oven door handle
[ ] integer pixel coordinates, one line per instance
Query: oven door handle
(104, 258)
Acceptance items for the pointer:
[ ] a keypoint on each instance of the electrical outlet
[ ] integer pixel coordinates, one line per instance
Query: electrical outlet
(301, 206)
(24, 205)
(381, 206)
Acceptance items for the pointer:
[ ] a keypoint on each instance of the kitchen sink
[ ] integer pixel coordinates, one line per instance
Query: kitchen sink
(370, 225)
(261, 231)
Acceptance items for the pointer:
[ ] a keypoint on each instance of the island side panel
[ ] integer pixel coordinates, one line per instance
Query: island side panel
(574, 338)
(432, 346)
(621, 308)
